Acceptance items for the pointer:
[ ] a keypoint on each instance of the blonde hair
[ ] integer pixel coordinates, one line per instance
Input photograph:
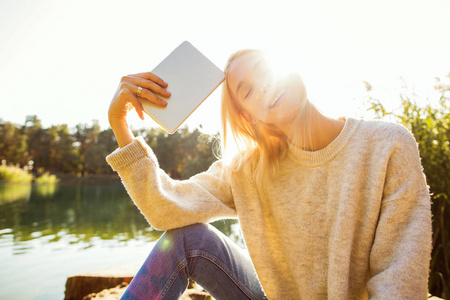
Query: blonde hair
(260, 144)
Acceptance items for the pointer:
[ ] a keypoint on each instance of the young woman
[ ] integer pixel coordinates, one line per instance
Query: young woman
(329, 208)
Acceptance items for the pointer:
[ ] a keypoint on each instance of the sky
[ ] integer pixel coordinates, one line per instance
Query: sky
(62, 60)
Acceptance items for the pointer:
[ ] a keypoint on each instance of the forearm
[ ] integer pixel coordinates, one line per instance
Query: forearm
(168, 203)
(122, 131)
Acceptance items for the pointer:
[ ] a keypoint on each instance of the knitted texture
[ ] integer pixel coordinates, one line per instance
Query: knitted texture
(350, 221)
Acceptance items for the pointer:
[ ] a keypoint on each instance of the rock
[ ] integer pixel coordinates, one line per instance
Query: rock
(111, 283)
(80, 285)
(195, 295)
(192, 293)
(108, 294)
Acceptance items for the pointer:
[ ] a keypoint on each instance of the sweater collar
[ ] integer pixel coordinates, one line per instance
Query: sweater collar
(315, 158)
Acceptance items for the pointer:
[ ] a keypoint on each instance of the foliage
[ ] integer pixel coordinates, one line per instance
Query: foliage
(13, 145)
(181, 154)
(14, 174)
(431, 128)
(81, 151)
(46, 178)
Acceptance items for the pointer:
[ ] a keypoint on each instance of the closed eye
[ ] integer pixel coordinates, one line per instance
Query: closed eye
(249, 92)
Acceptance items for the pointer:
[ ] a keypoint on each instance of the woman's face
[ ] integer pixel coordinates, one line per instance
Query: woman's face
(263, 93)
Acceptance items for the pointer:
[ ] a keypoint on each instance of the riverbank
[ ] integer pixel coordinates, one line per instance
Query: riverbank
(69, 179)
(15, 174)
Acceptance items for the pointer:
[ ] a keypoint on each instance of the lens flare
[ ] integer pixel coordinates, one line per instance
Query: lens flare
(165, 244)
(280, 64)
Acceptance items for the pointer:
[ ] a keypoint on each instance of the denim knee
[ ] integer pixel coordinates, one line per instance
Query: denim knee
(215, 262)
(190, 231)
(183, 239)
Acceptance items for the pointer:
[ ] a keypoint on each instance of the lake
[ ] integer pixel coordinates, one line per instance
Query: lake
(48, 233)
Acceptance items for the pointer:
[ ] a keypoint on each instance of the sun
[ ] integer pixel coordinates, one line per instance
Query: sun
(281, 64)
(331, 90)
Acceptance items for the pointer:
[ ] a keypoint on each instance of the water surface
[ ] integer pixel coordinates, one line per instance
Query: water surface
(48, 233)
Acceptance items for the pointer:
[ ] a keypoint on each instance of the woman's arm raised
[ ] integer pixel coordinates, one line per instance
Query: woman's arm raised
(146, 86)
(166, 203)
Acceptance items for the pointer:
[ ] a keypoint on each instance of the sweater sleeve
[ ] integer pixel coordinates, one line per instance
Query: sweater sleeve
(401, 251)
(168, 203)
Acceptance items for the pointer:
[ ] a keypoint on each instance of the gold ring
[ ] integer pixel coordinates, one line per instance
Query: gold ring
(139, 91)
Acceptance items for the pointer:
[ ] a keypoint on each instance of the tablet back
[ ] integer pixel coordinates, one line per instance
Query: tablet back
(191, 77)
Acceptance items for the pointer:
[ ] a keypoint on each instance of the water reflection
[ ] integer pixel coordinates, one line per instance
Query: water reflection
(53, 232)
(14, 192)
(81, 213)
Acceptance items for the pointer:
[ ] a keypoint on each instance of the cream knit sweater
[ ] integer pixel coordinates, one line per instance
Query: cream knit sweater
(351, 221)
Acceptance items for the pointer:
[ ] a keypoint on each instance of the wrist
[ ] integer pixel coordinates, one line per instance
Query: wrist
(122, 131)
(115, 121)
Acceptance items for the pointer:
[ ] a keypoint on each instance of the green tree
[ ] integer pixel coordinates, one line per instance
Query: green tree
(57, 150)
(204, 155)
(38, 143)
(13, 144)
(181, 154)
(86, 136)
(95, 154)
(67, 157)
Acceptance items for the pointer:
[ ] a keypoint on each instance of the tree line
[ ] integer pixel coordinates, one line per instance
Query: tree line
(82, 150)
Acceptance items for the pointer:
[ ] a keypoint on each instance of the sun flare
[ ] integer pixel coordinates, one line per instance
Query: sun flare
(331, 90)
(281, 64)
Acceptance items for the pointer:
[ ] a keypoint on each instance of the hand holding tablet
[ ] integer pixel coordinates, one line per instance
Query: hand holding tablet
(191, 77)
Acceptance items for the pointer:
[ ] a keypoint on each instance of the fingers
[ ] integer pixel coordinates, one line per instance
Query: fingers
(151, 86)
(149, 81)
(152, 77)
(148, 95)
(137, 104)
(126, 97)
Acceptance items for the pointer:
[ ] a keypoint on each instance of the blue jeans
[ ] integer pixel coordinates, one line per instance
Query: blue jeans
(202, 253)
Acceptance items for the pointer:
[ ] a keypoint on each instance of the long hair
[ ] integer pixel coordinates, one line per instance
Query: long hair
(260, 144)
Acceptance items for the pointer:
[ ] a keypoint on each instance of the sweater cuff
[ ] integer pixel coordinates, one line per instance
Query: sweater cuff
(132, 152)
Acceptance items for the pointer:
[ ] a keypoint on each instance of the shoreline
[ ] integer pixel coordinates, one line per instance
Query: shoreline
(69, 179)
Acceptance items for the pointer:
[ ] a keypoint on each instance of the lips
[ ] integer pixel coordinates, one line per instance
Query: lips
(277, 98)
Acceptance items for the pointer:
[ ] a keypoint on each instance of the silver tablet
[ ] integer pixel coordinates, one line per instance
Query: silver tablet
(191, 77)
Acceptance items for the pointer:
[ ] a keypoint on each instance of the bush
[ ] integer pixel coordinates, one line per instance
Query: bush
(46, 178)
(14, 174)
